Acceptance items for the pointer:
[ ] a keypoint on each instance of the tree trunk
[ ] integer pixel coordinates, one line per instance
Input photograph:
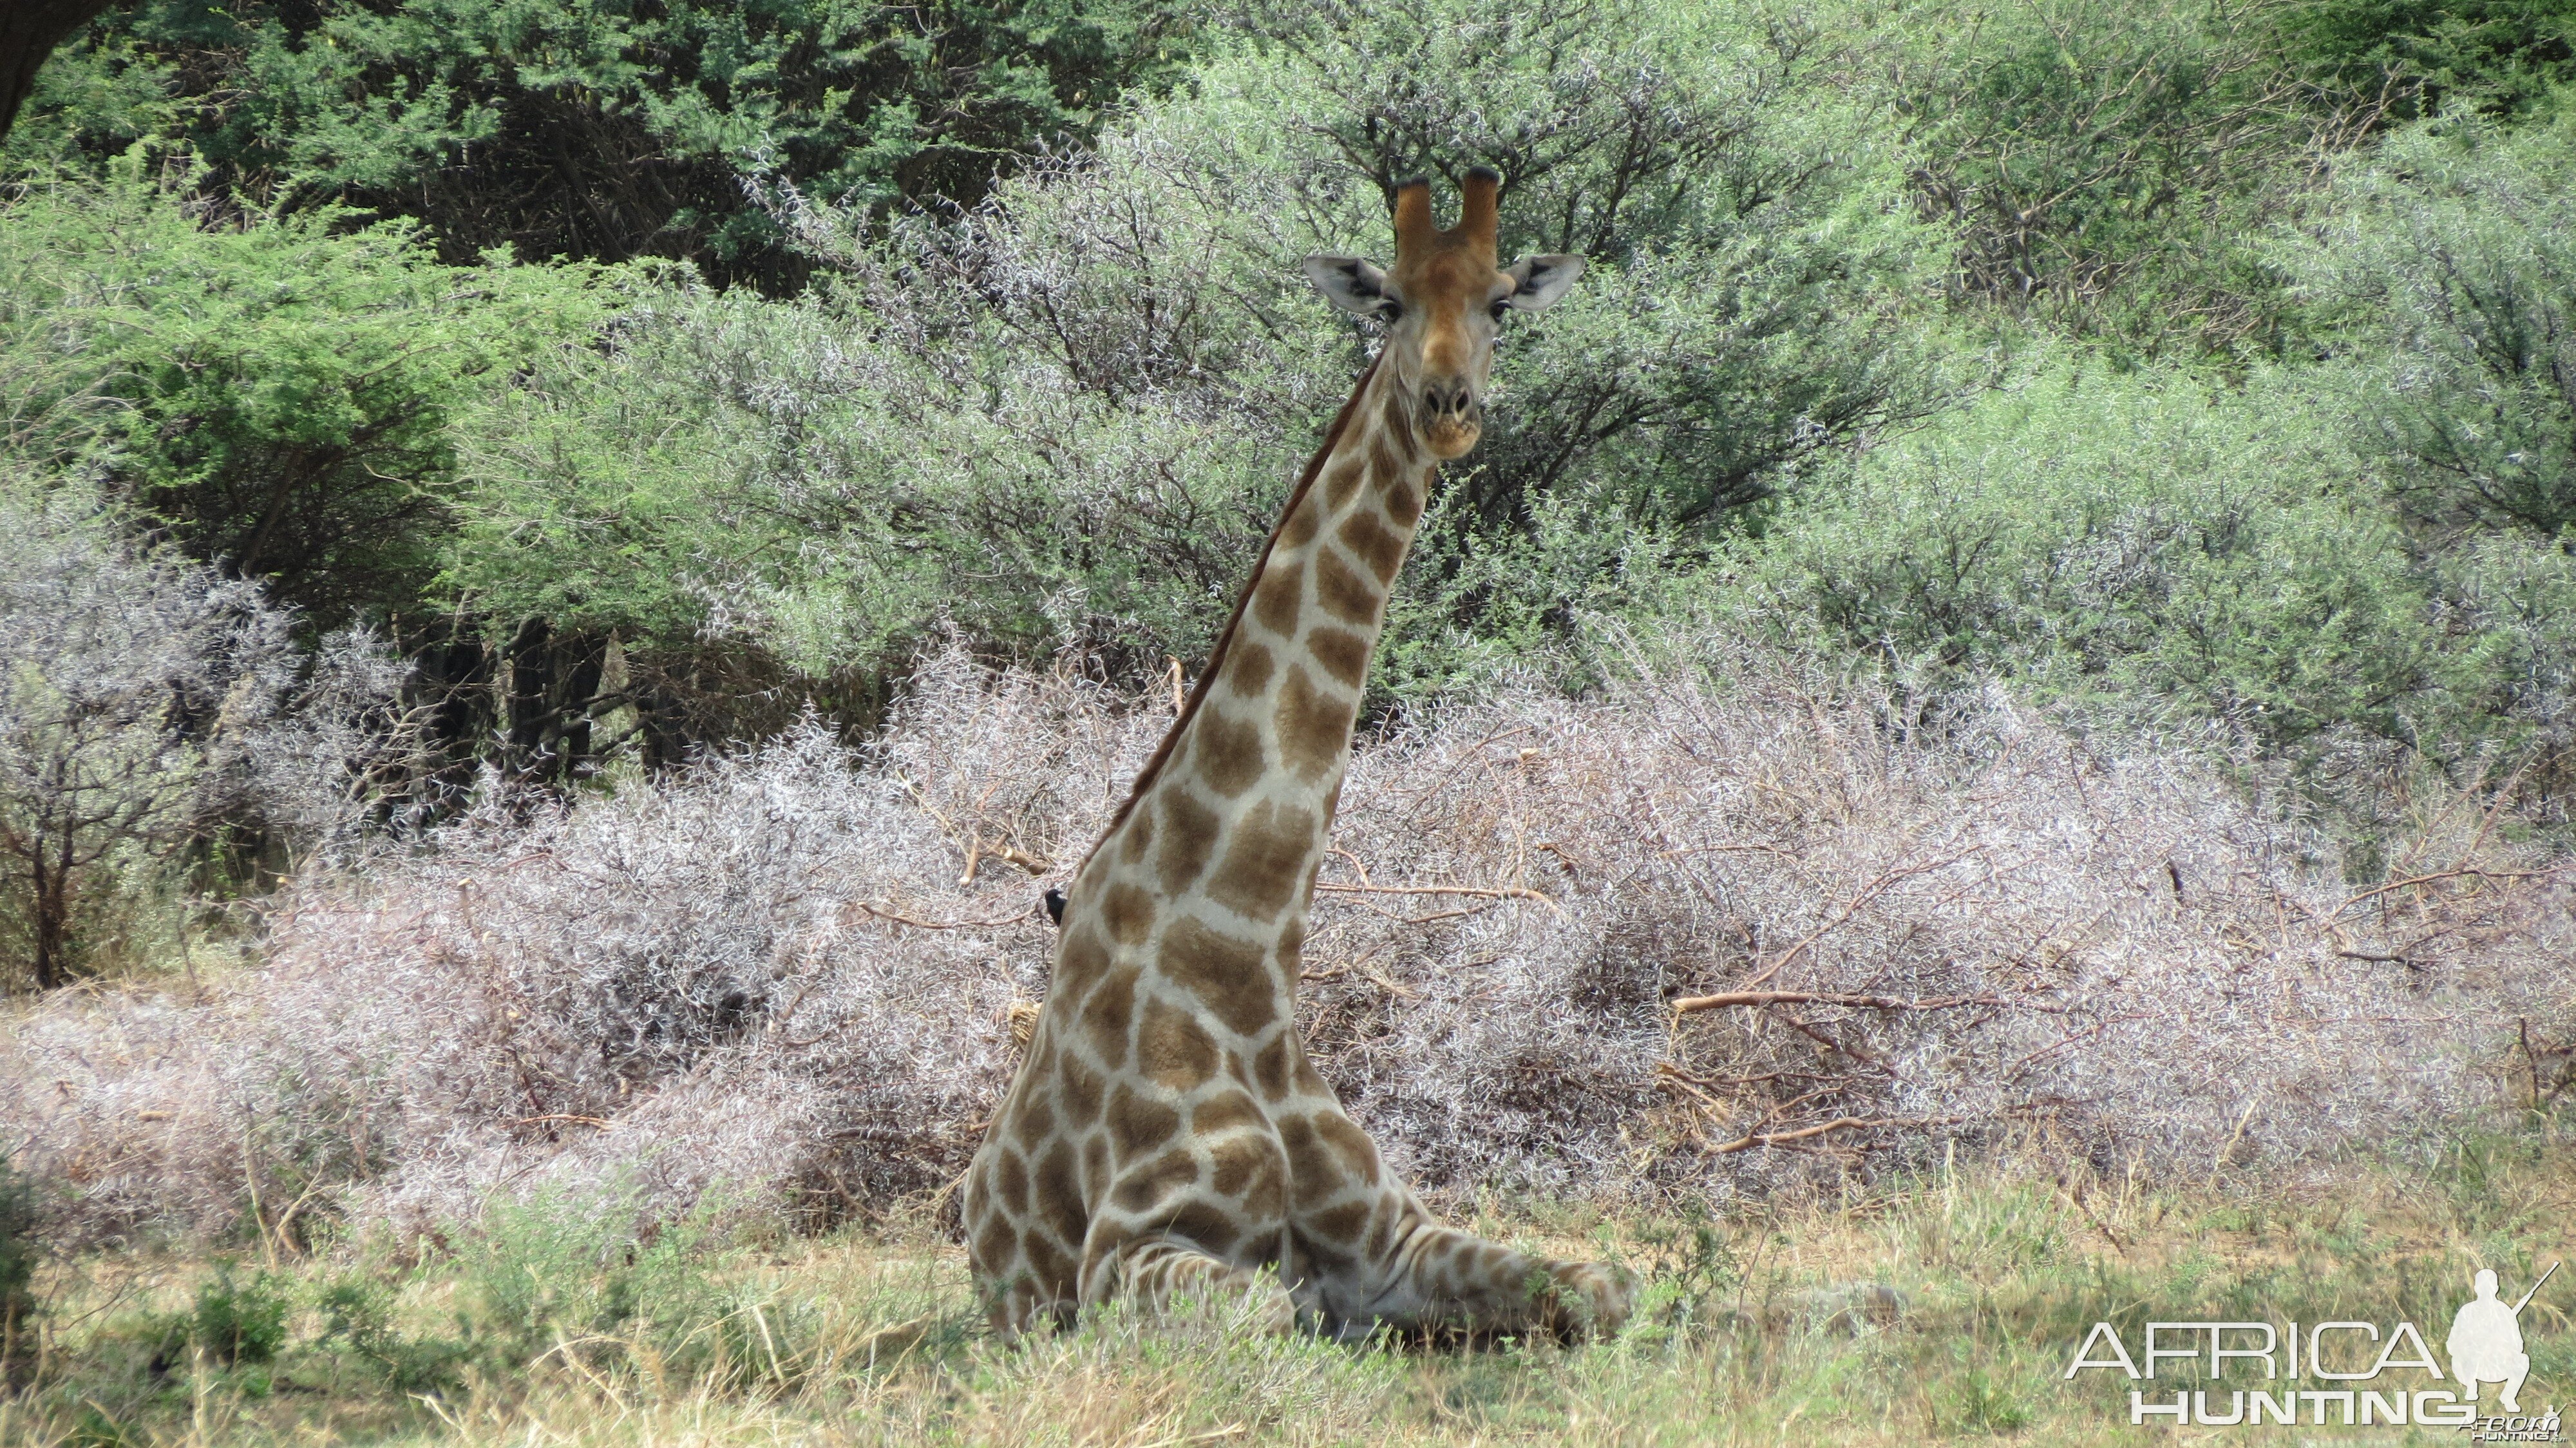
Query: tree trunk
(53, 914)
(29, 31)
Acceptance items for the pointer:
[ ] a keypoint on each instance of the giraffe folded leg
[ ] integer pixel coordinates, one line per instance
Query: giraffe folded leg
(1160, 1272)
(1441, 1278)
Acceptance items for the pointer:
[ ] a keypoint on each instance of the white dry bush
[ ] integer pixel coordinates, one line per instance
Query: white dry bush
(789, 974)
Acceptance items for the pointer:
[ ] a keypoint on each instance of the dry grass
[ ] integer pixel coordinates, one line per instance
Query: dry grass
(1990, 1276)
(792, 971)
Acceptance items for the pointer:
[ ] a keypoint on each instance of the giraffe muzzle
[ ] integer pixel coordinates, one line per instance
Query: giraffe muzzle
(1452, 419)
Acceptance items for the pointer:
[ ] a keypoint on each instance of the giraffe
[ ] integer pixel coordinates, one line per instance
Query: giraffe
(1166, 1137)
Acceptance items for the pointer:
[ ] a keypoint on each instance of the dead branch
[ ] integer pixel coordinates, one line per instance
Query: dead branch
(1840, 1123)
(894, 918)
(1688, 1004)
(1504, 892)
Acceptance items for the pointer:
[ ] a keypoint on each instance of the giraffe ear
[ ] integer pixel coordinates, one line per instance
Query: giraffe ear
(1540, 280)
(1353, 285)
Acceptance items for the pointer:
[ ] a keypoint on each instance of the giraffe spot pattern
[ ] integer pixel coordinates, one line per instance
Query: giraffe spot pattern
(1374, 543)
(1172, 1049)
(1247, 664)
(1128, 912)
(1080, 1088)
(1226, 750)
(1189, 832)
(1205, 1227)
(1337, 1224)
(1271, 1069)
(1398, 428)
(1081, 957)
(1011, 1182)
(1382, 459)
(1344, 593)
(1234, 1165)
(1136, 1124)
(1230, 1111)
(1281, 595)
(1032, 1121)
(1312, 1177)
(1059, 1196)
(1298, 529)
(1229, 976)
(1404, 501)
(1107, 1012)
(1313, 726)
(1149, 1186)
(1358, 1153)
(1342, 482)
(1344, 654)
(1261, 868)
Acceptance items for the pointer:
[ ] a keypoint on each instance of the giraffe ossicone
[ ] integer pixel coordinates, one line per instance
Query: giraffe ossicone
(1166, 1137)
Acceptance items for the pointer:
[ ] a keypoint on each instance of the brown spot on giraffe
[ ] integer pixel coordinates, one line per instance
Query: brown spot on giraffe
(1280, 598)
(1220, 1114)
(1166, 1136)
(1231, 978)
(1251, 673)
(1313, 726)
(1344, 654)
(1106, 1013)
(1227, 753)
(1137, 1123)
(1345, 593)
(1154, 1183)
(1174, 1051)
(1129, 913)
(1271, 842)
(1189, 832)
(1342, 483)
(1374, 543)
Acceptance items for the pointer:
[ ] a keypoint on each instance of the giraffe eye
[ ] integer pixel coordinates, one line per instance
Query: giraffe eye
(1390, 310)
(1500, 306)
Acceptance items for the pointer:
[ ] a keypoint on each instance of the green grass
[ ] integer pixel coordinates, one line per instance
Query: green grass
(557, 1327)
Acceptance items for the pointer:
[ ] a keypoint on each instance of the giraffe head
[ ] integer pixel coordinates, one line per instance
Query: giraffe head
(1442, 302)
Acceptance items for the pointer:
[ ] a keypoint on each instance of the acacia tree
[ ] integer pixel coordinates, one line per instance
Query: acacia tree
(134, 688)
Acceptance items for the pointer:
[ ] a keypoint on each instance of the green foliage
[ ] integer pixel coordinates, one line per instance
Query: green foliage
(239, 1319)
(2100, 162)
(560, 1268)
(604, 129)
(2139, 544)
(2447, 268)
(1068, 418)
(2427, 57)
(276, 392)
(19, 1253)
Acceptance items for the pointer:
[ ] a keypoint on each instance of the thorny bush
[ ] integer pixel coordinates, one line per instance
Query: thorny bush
(797, 970)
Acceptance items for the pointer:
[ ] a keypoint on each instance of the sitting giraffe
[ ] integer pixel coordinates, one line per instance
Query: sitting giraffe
(1166, 1137)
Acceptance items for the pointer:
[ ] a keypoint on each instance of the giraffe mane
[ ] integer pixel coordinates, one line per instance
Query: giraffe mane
(1162, 754)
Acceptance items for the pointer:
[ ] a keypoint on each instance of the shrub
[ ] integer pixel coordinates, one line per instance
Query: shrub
(2446, 269)
(20, 1251)
(2143, 544)
(793, 970)
(276, 391)
(1067, 418)
(601, 132)
(134, 685)
(238, 1320)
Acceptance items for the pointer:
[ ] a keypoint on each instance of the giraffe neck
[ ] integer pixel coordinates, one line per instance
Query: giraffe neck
(1230, 815)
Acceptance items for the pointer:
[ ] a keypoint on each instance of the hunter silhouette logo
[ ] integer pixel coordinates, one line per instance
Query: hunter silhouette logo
(2486, 1340)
